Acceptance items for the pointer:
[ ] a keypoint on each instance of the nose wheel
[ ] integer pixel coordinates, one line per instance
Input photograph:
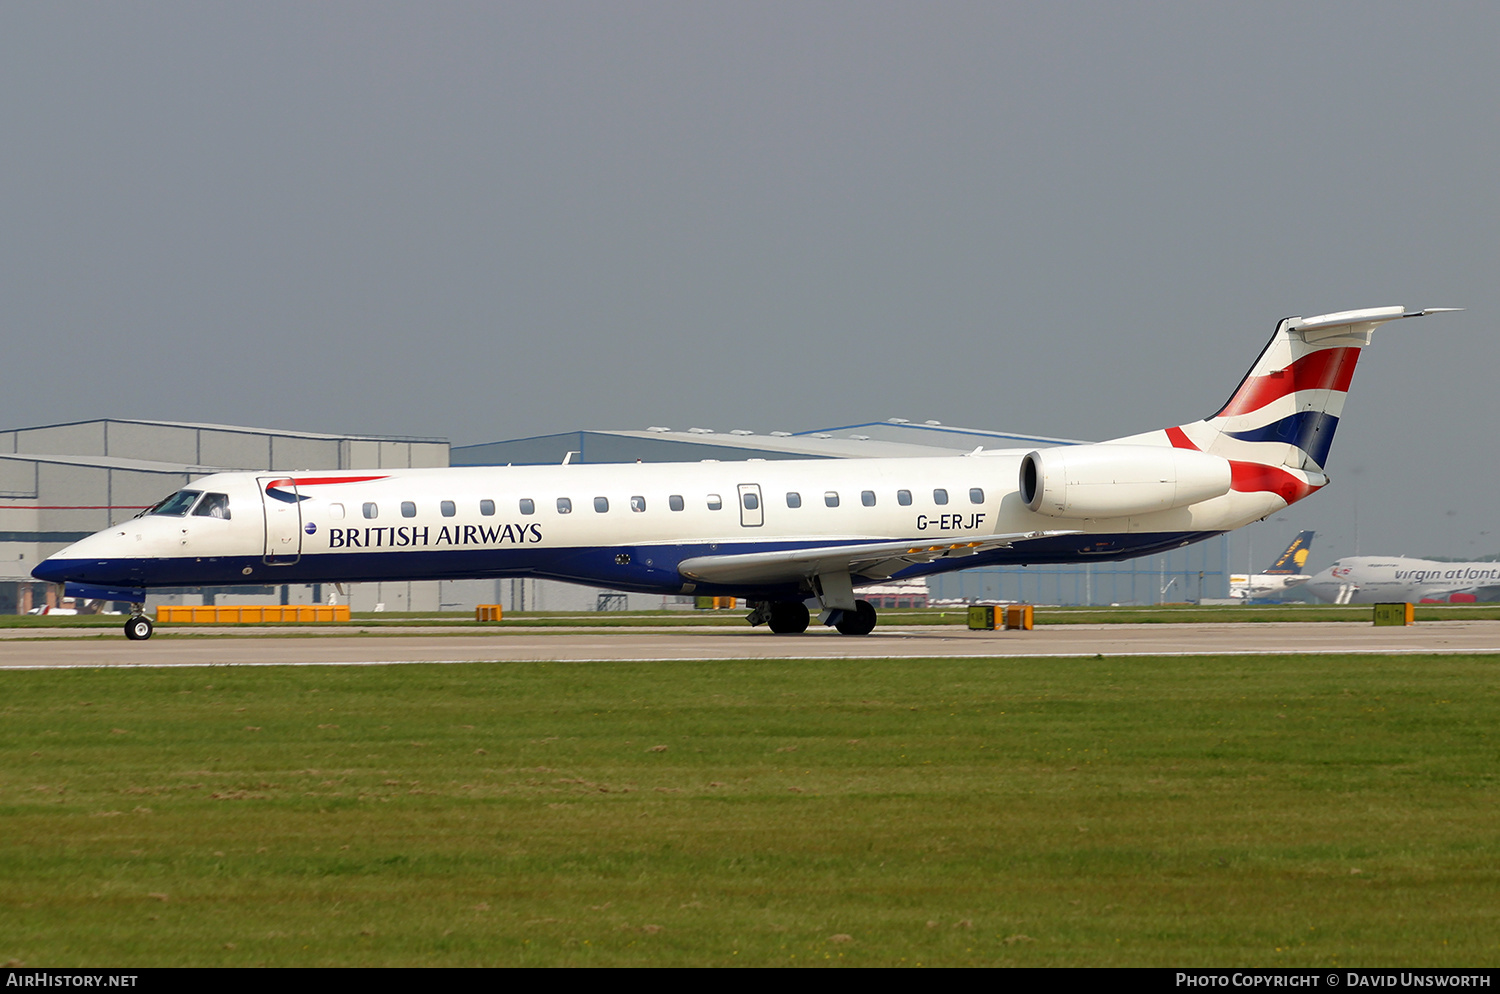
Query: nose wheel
(138, 628)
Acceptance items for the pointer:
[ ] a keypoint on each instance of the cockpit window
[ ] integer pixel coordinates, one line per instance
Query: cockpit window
(213, 506)
(178, 504)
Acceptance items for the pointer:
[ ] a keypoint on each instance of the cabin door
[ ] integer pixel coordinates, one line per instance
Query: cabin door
(751, 513)
(283, 510)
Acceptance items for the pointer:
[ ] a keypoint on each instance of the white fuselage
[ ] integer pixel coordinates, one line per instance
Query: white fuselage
(1262, 585)
(625, 526)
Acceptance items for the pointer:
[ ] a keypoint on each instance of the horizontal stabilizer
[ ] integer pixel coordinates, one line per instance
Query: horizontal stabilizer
(1369, 315)
(1353, 327)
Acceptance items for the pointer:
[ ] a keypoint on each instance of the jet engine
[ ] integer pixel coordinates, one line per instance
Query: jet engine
(1109, 481)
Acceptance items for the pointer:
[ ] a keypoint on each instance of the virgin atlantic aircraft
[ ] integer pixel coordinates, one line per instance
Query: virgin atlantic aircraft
(1372, 579)
(779, 534)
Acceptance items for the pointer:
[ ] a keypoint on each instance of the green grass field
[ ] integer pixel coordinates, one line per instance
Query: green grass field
(1189, 811)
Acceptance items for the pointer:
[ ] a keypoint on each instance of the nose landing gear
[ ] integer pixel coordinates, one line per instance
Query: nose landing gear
(137, 627)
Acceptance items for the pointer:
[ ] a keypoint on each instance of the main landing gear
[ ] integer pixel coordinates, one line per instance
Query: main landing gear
(137, 626)
(788, 618)
(782, 617)
(860, 621)
(791, 618)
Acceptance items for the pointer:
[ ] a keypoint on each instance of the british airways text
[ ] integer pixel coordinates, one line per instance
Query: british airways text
(406, 537)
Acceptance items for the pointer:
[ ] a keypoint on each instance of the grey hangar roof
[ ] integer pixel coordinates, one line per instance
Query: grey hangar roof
(867, 440)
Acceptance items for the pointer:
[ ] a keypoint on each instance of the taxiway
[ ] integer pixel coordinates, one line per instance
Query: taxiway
(377, 646)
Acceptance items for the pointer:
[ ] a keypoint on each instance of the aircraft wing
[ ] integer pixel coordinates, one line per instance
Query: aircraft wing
(875, 560)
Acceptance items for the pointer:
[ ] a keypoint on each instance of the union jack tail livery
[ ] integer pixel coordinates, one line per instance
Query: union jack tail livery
(1277, 428)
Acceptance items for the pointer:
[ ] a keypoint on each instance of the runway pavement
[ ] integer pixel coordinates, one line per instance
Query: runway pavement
(89, 648)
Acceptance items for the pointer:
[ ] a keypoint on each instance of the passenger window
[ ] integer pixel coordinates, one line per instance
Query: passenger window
(486, 507)
(715, 502)
(213, 506)
(408, 509)
(976, 496)
(750, 500)
(793, 499)
(564, 505)
(903, 497)
(448, 508)
(675, 502)
(637, 503)
(528, 506)
(178, 504)
(601, 504)
(940, 496)
(867, 498)
(831, 498)
(336, 512)
(371, 511)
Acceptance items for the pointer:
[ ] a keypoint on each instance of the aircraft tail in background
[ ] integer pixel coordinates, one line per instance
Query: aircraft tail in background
(1294, 558)
(1279, 579)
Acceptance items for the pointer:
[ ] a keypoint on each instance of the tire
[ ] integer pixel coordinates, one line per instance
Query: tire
(138, 628)
(788, 618)
(860, 621)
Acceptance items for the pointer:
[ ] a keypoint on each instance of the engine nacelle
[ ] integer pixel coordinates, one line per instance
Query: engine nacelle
(1109, 481)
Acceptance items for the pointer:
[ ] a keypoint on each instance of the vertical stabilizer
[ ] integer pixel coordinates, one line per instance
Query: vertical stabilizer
(1277, 428)
(1290, 562)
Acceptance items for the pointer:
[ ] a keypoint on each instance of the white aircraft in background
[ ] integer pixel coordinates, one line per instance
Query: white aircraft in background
(780, 533)
(1281, 576)
(1372, 579)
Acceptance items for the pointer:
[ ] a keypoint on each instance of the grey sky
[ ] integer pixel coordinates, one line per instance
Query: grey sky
(491, 220)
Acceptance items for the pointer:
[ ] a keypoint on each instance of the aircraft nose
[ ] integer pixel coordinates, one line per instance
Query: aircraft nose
(91, 560)
(52, 570)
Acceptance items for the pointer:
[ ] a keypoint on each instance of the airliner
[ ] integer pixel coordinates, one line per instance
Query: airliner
(1372, 579)
(780, 534)
(1281, 576)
